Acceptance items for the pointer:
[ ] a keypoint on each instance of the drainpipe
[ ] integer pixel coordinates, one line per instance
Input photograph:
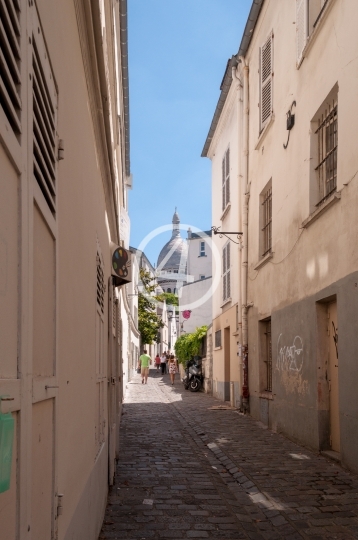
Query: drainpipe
(239, 87)
(244, 251)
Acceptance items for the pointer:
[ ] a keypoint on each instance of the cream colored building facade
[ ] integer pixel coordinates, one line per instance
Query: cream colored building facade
(299, 58)
(65, 330)
(223, 148)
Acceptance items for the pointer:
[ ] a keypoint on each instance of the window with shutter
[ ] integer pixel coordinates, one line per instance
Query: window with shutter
(10, 58)
(225, 171)
(301, 27)
(226, 272)
(44, 98)
(266, 81)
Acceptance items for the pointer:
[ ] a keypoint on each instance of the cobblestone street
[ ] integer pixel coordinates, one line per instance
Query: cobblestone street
(189, 471)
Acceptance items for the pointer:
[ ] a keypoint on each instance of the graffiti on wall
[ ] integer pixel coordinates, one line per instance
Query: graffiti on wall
(289, 357)
(290, 363)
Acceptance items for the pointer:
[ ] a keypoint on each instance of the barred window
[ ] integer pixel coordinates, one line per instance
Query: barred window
(218, 338)
(226, 272)
(327, 139)
(266, 220)
(225, 170)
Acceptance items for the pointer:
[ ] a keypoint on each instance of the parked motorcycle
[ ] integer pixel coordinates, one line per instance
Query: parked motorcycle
(193, 379)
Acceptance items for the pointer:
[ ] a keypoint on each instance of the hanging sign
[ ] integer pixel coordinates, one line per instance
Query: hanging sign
(121, 265)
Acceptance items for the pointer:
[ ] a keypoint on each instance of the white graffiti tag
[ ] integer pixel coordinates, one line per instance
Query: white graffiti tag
(290, 357)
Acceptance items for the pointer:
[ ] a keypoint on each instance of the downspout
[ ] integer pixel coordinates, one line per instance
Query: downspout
(245, 216)
(236, 79)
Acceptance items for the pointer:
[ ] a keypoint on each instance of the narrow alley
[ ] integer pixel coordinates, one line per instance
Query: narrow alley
(188, 468)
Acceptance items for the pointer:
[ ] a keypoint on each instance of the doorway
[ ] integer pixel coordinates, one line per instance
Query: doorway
(333, 377)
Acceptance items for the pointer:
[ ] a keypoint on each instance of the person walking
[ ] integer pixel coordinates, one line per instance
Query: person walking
(173, 367)
(163, 363)
(157, 362)
(144, 363)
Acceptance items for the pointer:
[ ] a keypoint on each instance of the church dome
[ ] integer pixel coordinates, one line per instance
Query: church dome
(175, 252)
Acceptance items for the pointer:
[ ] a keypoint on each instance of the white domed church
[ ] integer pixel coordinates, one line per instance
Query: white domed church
(172, 260)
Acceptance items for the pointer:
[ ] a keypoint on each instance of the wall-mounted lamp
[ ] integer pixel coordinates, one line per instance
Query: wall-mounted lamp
(290, 122)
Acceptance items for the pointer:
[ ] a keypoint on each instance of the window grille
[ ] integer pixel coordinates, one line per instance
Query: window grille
(268, 356)
(266, 81)
(100, 284)
(202, 249)
(10, 58)
(267, 221)
(44, 146)
(225, 180)
(226, 272)
(327, 134)
(218, 338)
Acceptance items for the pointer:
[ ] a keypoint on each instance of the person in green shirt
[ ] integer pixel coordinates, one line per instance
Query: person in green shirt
(144, 362)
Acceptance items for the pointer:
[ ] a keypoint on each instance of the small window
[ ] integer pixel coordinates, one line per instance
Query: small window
(266, 220)
(202, 277)
(327, 138)
(226, 272)
(175, 271)
(218, 338)
(202, 249)
(225, 170)
(266, 81)
(169, 290)
(308, 13)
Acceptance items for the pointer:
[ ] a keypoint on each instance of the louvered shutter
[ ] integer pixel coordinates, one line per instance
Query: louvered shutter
(10, 79)
(227, 175)
(44, 97)
(224, 273)
(301, 27)
(266, 81)
(223, 184)
(228, 289)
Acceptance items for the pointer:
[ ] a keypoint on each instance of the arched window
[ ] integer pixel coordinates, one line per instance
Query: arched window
(175, 291)
(169, 290)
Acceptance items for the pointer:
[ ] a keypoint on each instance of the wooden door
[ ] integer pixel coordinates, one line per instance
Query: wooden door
(333, 377)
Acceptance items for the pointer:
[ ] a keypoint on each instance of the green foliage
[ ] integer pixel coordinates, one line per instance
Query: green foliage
(171, 299)
(189, 345)
(148, 321)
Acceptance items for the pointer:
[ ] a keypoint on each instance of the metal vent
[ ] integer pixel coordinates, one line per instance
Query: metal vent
(100, 283)
(44, 147)
(10, 79)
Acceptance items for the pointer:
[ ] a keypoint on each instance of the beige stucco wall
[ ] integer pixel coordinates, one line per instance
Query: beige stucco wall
(48, 307)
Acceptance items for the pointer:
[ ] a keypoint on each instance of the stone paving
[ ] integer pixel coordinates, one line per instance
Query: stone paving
(187, 471)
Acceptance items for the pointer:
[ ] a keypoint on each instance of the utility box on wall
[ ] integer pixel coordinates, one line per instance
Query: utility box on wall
(6, 442)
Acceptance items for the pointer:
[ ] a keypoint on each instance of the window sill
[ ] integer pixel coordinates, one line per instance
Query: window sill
(266, 395)
(264, 131)
(263, 261)
(217, 348)
(312, 38)
(227, 208)
(333, 199)
(202, 256)
(227, 301)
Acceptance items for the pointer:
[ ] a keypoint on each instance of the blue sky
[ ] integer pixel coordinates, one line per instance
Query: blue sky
(178, 51)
